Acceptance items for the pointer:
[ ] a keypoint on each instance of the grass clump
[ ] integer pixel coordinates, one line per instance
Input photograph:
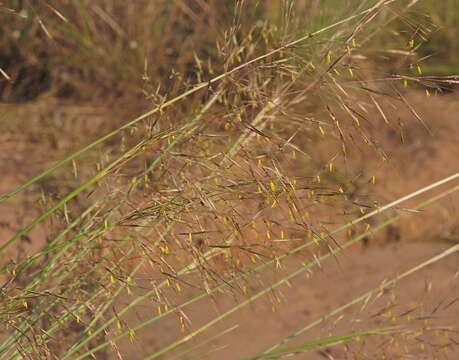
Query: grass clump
(240, 166)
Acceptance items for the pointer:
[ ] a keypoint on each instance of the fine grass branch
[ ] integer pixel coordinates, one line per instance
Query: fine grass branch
(204, 85)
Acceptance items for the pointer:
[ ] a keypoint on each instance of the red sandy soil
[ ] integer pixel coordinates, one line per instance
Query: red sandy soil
(337, 283)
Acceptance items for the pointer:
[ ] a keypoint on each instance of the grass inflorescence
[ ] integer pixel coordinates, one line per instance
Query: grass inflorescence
(236, 181)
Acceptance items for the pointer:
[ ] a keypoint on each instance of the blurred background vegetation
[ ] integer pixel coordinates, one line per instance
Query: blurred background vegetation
(85, 49)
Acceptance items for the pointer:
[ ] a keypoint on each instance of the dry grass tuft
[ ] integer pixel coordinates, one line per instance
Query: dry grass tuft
(242, 166)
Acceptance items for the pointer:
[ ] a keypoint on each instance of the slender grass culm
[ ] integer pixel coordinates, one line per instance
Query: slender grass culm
(264, 153)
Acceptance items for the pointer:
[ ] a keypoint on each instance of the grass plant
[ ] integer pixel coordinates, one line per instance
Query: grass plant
(255, 111)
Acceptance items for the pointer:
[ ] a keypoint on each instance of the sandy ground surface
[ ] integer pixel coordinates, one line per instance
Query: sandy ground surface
(424, 303)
